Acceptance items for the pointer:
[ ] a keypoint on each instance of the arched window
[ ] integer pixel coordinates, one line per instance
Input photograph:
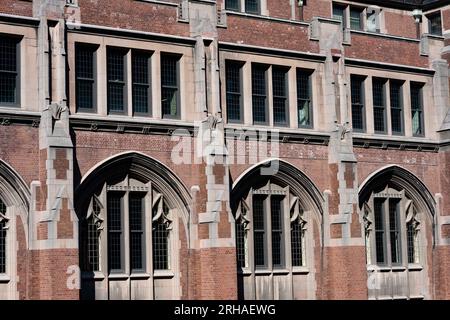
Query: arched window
(272, 218)
(132, 212)
(277, 230)
(392, 228)
(3, 230)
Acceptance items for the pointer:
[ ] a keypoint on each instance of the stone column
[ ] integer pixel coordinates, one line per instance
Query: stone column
(345, 275)
(53, 223)
(215, 248)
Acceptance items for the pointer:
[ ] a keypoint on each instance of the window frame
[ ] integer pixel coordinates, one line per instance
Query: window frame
(419, 86)
(177, 57)
(239, 65)
(257, 11)
(309, 74)
(148, 54)
(125, 81)
(400, 108)
(285, 71)
(383, 83)
(387, 196)
(94, 48)
(17, 92)
(362, 104)
(431, 17)
(266, 68)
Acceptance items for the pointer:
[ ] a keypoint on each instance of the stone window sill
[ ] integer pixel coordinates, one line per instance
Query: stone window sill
(4, 278)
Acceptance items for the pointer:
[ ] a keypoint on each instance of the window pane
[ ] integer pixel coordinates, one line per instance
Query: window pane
(8, 70)
(410, 237)
(358, 117)
(232, 5)
(141, 82)
(339, 14)
(136, 212)
(240, 244)
(296, 244)
(259, 231)
(394, 230)
(115, 231)
(280, 110)
(160, 238)
(252, 6)
(379, 107)
(276, 204)
(84, 69)
(116, 80)
(417, 109)
(169, 86)
(93, 235)
(435, 24)
(379, 230)
(355, 19)
(396, 107)
(233, 81)
(304, 99)
(2, 239)
(259, 94)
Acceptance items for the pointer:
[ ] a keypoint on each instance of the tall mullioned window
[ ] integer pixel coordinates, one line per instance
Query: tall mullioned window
(9, 70)
(116, 59)
(417, 109)
(136, 213)
(234, 91)
(358, 109)
(115, 232)
(435, 24)
(355, 19)
(141, 82)
(396, 96)
(304, 104)
(280, 96)
(259, 94)
(170, 86)
(85, 76)
(379, 105)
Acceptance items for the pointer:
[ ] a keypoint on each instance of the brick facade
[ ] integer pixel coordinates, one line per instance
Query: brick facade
(56, 150)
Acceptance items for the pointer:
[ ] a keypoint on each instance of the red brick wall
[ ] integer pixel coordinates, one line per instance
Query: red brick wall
(398, 24)
(444, 158)
(424, 165)
(374, 48)
(267, 33)
(346, 274)
(279, 8)
(17, 7)
(48, 278)
(317, 8)
(442, 276)
(21, 156)
(130, 14)
(218, 274)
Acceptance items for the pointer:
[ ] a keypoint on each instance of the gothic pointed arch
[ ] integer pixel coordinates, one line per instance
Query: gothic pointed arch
(278, 216)
(131, 210)
(284, 173)
(398, 213)
(400, 178)
(140, 167)
(14, 203)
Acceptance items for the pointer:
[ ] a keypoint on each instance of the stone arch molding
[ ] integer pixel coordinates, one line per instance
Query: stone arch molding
(285, 173)
(401, 178)
(141, 167)
(15, 193)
